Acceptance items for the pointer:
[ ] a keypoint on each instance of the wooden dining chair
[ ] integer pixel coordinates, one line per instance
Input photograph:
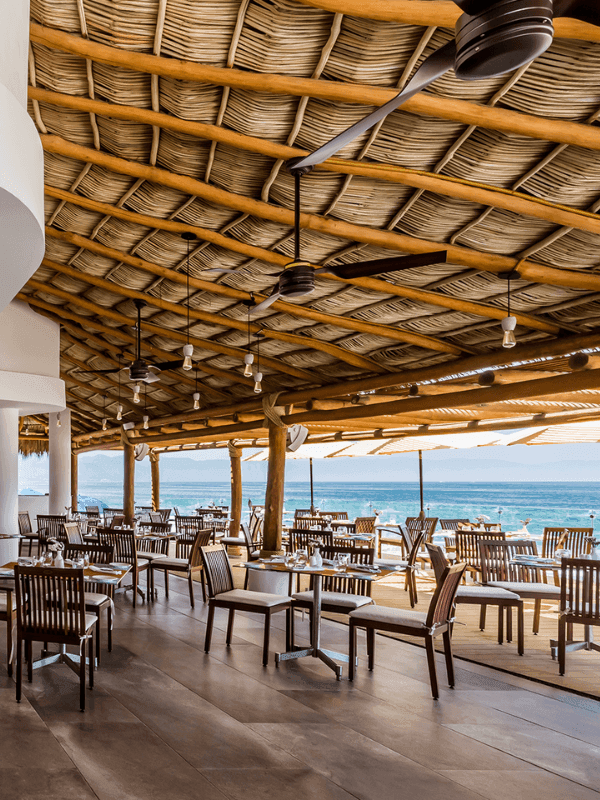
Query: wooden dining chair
(308, 522)
(299, 538)
(151, 547)
(337, 514)
(437, 621)
(484, 596)
(574, 539)
(184, 567)
(125, 551)
(8, 614)
(341, 593)
(467, 549)
(49, 527)
(51, 608)
(426, 524)
(98, 596)
(27, 533)
(71, 533)
(222, 594)
(186, 529)
(579, 602)
(497, 570)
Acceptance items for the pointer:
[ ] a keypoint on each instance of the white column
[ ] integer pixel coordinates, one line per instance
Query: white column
(9, 482)
(60, 461)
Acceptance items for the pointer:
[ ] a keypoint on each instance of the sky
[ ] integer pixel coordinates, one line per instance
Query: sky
(564, 462)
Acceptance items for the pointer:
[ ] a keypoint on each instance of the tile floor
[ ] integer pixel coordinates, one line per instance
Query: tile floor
(167, 721)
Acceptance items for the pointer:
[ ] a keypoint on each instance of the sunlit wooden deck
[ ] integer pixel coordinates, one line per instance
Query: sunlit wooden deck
(167, 721)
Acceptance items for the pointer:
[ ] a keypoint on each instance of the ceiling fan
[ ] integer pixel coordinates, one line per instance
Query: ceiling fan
(491, 38)
(139, 370)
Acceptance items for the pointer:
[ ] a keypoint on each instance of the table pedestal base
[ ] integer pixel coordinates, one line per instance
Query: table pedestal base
(326, 656)
(72, 660)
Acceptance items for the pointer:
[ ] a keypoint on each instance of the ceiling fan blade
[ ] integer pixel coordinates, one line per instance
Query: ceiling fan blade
(473, 7)
(362, 269)
(437, 64)
(266, 303)
(167, 364)
(584, 10)
(152, 378)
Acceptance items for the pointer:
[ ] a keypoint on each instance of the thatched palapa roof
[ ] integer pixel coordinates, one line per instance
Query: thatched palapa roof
(161, 117)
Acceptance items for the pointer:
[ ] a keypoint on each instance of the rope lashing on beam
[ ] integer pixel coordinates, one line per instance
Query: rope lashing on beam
(273, 413)
(234, 452)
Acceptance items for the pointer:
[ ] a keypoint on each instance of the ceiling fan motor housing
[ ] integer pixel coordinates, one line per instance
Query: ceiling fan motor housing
(138, 371)
(297, 279)
(503, 38)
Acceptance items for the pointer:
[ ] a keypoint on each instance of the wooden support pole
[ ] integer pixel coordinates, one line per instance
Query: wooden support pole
(155, 477)
(274, 493)
(74, 482)
(422, 513)
(128, 484)
(235, 511)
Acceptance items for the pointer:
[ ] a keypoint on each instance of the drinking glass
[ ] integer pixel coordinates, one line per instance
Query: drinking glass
(562, 552)
(302, 556)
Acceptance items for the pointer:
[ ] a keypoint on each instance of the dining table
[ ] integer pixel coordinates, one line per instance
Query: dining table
(317, 574)
(94, 573)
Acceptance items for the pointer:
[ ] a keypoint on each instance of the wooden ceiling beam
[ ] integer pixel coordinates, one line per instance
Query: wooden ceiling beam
(438, 13)
(271, 257)
(494, 118)
(176, 336)
(345, 323)
(454, 370)
(391, 240)
(446, 185)
(82, 385)
(204, 316)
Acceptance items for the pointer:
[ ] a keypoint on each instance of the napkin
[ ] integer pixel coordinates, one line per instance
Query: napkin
(107, 570)
(364, 568)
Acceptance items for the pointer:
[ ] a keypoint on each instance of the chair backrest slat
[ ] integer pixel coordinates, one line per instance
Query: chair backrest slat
(217, 569)
(439, 562)
(24, 523)
(580, 590)
(573, 539)
(496, 556)
(348, 585)
(442, 602)
(428, 524)
(467, 546)
(123, 543)
(303, 538)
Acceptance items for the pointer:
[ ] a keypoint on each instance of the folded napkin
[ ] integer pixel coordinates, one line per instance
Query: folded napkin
(364, 568)
(106, 570)
(389, 565)
(328, 562)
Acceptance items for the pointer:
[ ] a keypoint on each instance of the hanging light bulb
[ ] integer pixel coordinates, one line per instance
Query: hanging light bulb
(146, 420)
(508, 326)
(257, 382)
(119, 412)
(188, 352)
(196, 397)
(104, 424)
(136, 393)
(509, 323)
(26, 429)
(248, 361)
(58, 422)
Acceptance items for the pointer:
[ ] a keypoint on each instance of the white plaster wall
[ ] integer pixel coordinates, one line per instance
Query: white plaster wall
(14, 35)
(29, 361)
(29, 342)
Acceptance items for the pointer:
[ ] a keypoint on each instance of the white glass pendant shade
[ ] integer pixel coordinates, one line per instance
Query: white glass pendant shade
(508, 326)
(248, 361)
(196, 396)
(188, 352)
(119, 412)
(104, 424)
(257, 382)
(136, 393)
(146, 420)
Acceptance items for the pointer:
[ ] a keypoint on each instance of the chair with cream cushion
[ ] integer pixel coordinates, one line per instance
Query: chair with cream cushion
(185, 567)
(222, 595)
(8, 614)
(437, 621)
(484, 596)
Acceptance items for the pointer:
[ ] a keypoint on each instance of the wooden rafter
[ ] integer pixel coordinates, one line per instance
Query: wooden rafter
(394, 241)
(500, 119)
(446, 185)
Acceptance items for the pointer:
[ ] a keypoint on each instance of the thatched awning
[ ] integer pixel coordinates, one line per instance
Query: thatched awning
(141, 147)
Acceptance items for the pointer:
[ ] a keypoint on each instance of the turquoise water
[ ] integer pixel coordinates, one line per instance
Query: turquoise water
(567, 504)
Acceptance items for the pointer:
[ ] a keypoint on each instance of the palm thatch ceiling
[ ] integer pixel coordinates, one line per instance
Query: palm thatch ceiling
(164, 116)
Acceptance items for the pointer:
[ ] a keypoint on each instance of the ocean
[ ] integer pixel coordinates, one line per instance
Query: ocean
(546, 504)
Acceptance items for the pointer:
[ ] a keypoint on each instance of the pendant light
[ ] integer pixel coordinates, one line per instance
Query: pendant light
(58, 422)
(509, 323)
(188, 349)
(119, 406)
(104, 420)
(146, 418)
(136, 393)
(196, 395)
(258, 374)
(249, 357)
